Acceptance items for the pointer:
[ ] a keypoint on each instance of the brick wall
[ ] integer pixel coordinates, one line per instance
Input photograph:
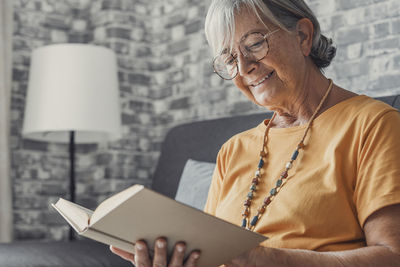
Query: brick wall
(165, 79)
(367, 35)
(40, 170)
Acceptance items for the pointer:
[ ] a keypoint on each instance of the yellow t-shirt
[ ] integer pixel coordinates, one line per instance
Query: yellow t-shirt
(348, 169)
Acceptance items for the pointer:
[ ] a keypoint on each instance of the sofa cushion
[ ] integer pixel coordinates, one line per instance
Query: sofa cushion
(199, 141)
(82, 253)
(194, 183)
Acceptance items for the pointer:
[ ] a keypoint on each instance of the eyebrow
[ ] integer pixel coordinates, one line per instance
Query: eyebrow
(260, 30)
(253, 31)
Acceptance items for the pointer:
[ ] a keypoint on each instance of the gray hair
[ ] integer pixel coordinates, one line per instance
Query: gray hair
(220, 24)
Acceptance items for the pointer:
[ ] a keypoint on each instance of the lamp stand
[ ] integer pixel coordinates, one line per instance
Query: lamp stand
(71, 175)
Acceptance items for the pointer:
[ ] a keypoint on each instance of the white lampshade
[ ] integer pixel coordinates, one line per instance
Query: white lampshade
(72, 87)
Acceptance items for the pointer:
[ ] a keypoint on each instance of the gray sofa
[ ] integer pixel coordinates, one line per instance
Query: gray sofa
(198, 141)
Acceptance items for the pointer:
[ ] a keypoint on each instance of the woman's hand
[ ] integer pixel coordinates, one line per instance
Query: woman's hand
(141, 258)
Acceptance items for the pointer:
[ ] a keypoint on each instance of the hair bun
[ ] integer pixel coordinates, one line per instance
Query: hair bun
(323, 52)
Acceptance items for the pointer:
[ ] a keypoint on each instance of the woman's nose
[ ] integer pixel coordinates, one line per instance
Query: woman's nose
(245, 64)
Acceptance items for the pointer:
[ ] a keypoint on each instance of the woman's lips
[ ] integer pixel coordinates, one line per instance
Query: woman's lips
(263, 79)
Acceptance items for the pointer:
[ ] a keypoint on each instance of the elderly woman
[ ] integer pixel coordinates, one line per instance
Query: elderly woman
(321, 178)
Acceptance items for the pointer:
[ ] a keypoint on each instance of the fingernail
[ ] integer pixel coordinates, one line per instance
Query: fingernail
(139, 246)
(160, 244)
(196, 256)
(180, 248)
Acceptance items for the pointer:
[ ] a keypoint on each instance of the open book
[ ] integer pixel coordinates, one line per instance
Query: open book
(140, 213)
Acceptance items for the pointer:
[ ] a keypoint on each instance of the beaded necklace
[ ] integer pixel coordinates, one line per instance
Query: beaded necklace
(246, 223)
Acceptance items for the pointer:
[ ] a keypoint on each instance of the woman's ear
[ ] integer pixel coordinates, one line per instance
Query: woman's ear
(305, 32)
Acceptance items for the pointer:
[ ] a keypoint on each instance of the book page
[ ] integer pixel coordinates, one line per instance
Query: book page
(109, 204)
(109, 240)
(147, 215)
(77, 216)
(140, 213)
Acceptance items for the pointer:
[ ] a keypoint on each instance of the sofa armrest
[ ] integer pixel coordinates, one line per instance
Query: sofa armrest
(83, 253)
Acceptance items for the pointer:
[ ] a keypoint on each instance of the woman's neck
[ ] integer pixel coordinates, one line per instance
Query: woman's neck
(300, 108)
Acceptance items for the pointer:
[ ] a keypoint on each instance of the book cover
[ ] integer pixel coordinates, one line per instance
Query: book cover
(140, 213)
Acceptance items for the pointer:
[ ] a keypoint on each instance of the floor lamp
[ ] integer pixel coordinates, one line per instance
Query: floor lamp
(72, 98)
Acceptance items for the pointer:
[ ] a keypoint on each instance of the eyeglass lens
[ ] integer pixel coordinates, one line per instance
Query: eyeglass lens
(254, 47)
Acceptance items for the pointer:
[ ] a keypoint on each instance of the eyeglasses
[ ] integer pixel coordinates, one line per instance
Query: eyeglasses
(253, 46)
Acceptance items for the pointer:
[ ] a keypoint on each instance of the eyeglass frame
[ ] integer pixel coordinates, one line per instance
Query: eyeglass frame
(236, 60)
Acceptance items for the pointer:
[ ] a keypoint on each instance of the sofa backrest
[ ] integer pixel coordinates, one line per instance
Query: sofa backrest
(201, 141)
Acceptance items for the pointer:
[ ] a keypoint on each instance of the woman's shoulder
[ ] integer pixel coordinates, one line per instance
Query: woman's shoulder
(371, 109)
(362, 113)
(368, 103)
(362, 107)
(246, 138)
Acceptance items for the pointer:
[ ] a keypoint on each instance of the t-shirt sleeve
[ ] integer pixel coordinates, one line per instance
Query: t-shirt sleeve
(216, 184)
(378, 168)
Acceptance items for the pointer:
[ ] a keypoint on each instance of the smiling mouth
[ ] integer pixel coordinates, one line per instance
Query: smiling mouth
(263, 79)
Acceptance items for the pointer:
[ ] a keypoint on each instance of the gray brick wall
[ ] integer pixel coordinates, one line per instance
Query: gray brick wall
(40, 170)
(367, 36)
(165, 79)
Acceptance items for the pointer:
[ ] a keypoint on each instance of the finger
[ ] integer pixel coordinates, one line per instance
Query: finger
(123, 254)
(178, 255)
(192, 259)
(142, 254)
(160, 253)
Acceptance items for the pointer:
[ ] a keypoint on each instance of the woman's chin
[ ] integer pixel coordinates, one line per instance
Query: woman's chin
(267, 97)
(264, 99)
(263, 103)
(263, 95)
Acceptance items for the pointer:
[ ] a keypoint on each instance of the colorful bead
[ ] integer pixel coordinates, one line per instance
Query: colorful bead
(250, 195)
(284, 175)
(255, 181)
(295, 154)
(300, 145)
(273, 192)
(257, 173)
(253, 187)
(244, 222)
(260, 163)
(261, 210)
(288, 165)
(267, 200)
(247, 203)
(254, 221)
(279, 183)
(263, 153)
(245, 213)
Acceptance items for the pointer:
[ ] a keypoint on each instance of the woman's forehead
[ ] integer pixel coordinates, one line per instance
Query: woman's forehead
(247, 23)
(229, 28)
